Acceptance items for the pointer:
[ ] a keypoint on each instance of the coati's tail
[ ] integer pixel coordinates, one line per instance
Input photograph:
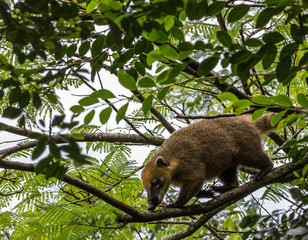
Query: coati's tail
(264, 123)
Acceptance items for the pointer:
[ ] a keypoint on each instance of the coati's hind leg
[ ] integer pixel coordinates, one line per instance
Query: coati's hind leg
(229, 179)
(266, 165)
(259, 160)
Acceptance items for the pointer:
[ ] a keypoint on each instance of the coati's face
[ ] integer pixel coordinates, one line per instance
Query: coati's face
(156, 179)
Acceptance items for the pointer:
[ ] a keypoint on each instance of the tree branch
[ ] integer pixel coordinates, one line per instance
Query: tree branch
(222, 200)
(87, 137)
(194, 226)
(29, 167)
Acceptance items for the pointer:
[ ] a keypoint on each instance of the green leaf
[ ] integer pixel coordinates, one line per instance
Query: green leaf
(227, 96)
(241, 103)
(163, 76)
(126, 56)
(39, 149)
(283, 69)
(105, 115)
(127, 81)
(24, 100)
(155, 55)
(302, 100)
(37, 101)
(88, 118)
(276, 118)
(192, 10)
(1, 94)
(162, 93)
(215, 8)
(267, 49)
(249, 221)
(282, 100)
(116, 33)
(168, 52)
(186, 46)
(303, 60)
(253, 42)
(147, 104)
(273, 37)
(84, 48)
(97, 46)
(168, 22)
(88, 101)
(240, 56)
(121, 113)
(261, 99)
(207, 65)
(240, 110)
(177, 33)
(78, 136)
(103, 94)
(302, 123)
(140, 68)
(157, 36)
(268, 60)
(91, 6)
(146, 82)
(43, 165)
(175, 71)
(199, 45)
(11, 112)
(258, 113)
(264, 17)
(54, 150)
(288, 50)
(52, 98)
(15, 95)
(238, 12)
(77, 109)
(224, 38)
(305, 170)
(225, 62)
(70, 51)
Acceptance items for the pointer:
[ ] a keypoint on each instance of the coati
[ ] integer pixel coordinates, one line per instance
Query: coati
(202, 151)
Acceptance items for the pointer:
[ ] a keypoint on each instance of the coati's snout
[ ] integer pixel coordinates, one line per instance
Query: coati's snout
(156, 180)
(157, 192)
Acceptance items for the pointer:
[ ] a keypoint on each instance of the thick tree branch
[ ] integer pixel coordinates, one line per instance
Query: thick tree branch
(29, 167)
(194, 226)
(209, 208)
(87, 137)
(222, 200)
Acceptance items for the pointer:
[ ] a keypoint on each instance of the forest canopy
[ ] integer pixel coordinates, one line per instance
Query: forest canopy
(91, 88)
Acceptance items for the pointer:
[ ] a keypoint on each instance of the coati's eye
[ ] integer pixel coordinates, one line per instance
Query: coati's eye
(155, 184)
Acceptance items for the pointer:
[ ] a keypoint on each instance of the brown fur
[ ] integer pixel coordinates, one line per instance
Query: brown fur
(202, 151)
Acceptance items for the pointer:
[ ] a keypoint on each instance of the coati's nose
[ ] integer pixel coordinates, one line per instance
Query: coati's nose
(151, 207)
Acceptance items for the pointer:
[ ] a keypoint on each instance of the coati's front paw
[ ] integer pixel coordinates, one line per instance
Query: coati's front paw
(260, 175)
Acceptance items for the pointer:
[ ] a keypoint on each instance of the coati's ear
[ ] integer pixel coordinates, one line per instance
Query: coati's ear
(161, 162)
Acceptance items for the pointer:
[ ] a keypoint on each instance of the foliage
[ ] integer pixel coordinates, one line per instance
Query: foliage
(173, 61)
